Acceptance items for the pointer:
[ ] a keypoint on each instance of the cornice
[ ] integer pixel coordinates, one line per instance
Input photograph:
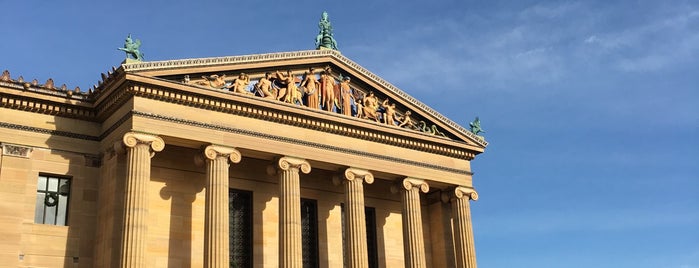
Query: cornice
(356, 128)
(229, 60)
(43, 102)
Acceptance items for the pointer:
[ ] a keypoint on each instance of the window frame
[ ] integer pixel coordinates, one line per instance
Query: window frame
(56, 195)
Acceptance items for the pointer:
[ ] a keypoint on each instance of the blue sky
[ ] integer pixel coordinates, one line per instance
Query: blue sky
(591, 108)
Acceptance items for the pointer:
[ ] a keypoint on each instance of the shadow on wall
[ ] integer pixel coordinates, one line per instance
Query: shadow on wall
(72, 193)
(181, 188)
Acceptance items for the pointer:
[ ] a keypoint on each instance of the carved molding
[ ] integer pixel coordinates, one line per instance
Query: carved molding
(269, 136)
(16, 150)
(288, 162)
(352, 173)
(410, 183)
(131, 139)
(459, 192)
(212, 152)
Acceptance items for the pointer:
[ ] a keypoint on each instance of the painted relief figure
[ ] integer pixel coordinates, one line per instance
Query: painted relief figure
(406, 122)
(240, 84)
(263, 88)
(346, 96)
(213, 81)
(389, 114)
(310, 87)
(359, 103)
(327, 85)
(292, 94)
(371, 107)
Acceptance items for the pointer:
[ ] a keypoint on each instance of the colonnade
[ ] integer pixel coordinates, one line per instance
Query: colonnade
(141, 147)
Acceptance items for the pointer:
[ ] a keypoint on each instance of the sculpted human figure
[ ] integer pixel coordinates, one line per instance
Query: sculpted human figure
(240, 84)
(389, 114)
(292, 93)
(214, 81)
(406, 122)
(264, 86)
(371, 105)
(310, 87)
(327, 85)
(346, 95)
(358, 102)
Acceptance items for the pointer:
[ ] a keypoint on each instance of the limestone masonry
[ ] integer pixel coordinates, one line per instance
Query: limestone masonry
(294, 159)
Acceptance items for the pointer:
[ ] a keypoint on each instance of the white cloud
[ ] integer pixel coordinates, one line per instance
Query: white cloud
(549, 10)
(656, 45)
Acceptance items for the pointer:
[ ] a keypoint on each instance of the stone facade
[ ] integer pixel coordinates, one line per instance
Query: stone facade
(152, 150)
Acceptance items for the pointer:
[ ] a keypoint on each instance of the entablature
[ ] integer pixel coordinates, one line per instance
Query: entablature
(288, 114)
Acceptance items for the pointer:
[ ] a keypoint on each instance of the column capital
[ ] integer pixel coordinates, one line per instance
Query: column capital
(459, 192)
(410, 183)
(288, 162)
(212, 152)
(131, 139)
(353, 173)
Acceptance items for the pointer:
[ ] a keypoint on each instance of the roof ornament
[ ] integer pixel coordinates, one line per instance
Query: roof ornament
(325, 39)
(132, 49)
(476, 126)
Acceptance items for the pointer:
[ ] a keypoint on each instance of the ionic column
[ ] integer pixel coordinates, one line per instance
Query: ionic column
(463, 231)
(290, 211)
(413, 240)
(216, 246)
(355, 226)
(139, 150)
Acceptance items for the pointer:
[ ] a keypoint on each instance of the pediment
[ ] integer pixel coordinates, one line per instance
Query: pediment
(369, 97)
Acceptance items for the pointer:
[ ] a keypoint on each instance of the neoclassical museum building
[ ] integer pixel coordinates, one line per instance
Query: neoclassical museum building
(293, 159)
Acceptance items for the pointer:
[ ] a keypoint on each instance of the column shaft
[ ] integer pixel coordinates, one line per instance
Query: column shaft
(290, 253)
(290, 216)
(355, 226)
(216, 247)
(413, 237)
(216, 225)
(463, 231)
(135, 227)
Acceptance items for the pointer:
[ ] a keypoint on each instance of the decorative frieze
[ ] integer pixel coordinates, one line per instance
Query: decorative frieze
(297, 141)
(260, 58)
(16, 150)
(371, 132)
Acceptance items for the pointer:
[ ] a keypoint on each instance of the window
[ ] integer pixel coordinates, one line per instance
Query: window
(52, 195)
(240, 228)
(371, 240)
(309, 233)
(372, 248)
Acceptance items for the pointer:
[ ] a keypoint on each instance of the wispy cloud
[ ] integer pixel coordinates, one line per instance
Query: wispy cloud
(537, 46)
(657, 44)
